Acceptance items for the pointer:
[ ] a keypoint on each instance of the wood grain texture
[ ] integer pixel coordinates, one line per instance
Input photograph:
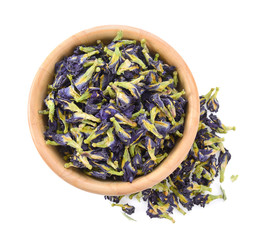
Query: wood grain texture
(53, 158)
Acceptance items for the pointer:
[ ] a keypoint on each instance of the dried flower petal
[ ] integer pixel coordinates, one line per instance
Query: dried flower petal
(212, 103)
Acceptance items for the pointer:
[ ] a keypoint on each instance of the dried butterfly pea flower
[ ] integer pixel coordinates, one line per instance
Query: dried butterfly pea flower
(109, 53)
(223, 161)
(213, 140)
(184, 199)
(68, 93)
(96, 155)
(86, 95)
(107, 112)
(160, 104)
(108, 141)
(163, 127)
(118, 36)
(120, 43)
(63, 140)
(109, 92)
(97, 78)
(123, 135)
(82, 81)
(125, 208)
(158, 65)
(77, 113)
(150, 76)
(159, 87)
(82, 117)
(137, 135)
(127, 167)
(153, 113)
(170, 106)
(212, 167)
(148, 166)
(204, 98)
(194, 188)
(101, 129)
(112, 163)
(146, 124)
(123, 100)
(135, 59)
(212, 103)
(177, 95)
(76, 64)
(145, 51)
(159, 211)
(128, 69)
(124, 120)
(203, 113)
(79, 161)
(151, 147)
(68, 105)
(115, 60)
(202, 200)
(50, 103)
(77, 135)
(205, 153)
(124, 67)
(177, 126)
(86, 49)
(132, 88)
(143, 44)
(216, 125)
(137, 161)
(61, 72)
(88, 63)
(104, 80)
(107, 169)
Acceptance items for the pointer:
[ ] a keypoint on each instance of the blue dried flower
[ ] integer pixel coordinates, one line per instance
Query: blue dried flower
(61, 73)
(127, 167)
(204, 98)
(224, 158)
(138, 135)
(122, 134)
(115, 60)
(160, 104)
(137, 161)
(146, 124)
(126, 208)
(213, 104)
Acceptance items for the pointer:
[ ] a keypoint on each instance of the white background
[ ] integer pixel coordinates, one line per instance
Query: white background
(218, 40)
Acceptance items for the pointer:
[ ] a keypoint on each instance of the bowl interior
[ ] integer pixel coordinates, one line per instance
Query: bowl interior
(53, 157)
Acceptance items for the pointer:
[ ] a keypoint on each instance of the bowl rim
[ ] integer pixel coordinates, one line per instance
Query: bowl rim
(90, 184)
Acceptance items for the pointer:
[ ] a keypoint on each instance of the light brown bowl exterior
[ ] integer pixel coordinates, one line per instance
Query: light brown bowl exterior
(53, 158)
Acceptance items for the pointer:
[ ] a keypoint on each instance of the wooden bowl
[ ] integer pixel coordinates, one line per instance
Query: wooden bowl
(54, 159)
